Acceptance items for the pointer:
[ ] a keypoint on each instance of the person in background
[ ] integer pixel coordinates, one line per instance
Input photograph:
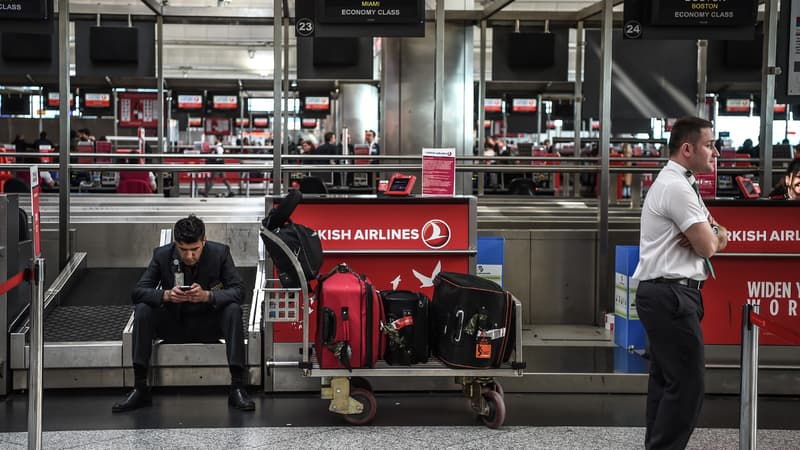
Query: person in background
(190, 292)
(677, 238)
(627, 178)
(219, 150)
(788, 188)
(20, 146)
(328, 147)
(371, 140)
(42, 141)
(143, 175)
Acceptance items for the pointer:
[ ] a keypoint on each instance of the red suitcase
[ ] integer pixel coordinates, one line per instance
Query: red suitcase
(349, 313)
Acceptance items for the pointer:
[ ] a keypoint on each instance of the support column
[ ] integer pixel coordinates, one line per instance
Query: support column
(277, 89)
(64, 134)
(768, 92)
(604, 272)
(580, 44)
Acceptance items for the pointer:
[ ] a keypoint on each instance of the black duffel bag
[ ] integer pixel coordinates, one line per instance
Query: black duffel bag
(472, 321)
(406, 327)
(302, 241)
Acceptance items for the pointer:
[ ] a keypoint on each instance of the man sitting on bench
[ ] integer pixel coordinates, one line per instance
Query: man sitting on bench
(198, 300)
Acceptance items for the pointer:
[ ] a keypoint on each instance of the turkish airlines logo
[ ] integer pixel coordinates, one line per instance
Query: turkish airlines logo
(436, 233)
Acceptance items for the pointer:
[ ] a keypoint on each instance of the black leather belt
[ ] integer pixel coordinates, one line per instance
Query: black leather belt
(688, 282)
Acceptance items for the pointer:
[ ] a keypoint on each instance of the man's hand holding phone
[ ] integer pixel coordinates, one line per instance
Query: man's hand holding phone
(192, 294)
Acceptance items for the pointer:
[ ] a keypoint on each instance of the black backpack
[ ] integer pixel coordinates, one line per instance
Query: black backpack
(302, 241)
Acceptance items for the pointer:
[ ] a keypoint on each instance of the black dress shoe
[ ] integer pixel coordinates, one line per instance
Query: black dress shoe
(138, 397)
(239, 399)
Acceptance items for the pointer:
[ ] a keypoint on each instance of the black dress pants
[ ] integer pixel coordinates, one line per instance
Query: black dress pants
(671, 315)
(150, 323)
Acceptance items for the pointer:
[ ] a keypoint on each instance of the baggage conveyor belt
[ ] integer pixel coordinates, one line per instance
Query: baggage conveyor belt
(86, 314)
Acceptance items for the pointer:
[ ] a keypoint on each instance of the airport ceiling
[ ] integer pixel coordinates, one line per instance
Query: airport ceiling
(231, 40)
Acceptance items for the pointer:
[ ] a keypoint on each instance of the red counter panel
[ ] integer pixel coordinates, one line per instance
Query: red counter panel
(773, 282)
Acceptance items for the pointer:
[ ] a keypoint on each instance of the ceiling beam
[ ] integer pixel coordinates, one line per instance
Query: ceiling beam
(154, 6)
(593, 10)
(493, 7)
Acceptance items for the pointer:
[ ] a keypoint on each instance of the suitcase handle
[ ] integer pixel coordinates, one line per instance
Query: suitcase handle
(328, 325)
(460, 318)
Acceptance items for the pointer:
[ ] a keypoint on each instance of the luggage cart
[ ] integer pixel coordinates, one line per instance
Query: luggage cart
(349, 392)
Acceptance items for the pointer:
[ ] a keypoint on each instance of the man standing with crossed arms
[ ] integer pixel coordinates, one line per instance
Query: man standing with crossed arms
(678, 236)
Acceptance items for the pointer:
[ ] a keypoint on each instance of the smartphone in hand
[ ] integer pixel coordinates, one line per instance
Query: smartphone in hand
(185, 288)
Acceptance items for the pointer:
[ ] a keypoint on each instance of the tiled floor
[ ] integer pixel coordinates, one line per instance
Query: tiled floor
(551, 438)
(200, 419)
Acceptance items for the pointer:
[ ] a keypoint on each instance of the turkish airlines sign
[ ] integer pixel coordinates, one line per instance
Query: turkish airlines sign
(387, 225)
(766, 229)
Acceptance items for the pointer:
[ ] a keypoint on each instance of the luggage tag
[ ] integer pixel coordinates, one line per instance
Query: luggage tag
(483, 348)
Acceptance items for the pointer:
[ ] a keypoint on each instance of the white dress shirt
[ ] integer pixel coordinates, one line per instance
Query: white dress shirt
(670, 208)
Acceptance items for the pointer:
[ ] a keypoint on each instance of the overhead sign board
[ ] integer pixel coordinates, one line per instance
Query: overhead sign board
(690, 19)
(366, 11)
(692, 13)
(23, 9)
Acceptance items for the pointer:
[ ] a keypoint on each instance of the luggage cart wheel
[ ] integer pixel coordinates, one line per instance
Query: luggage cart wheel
(496, 415)
(360, 383)
(367, 399)
(496, 387)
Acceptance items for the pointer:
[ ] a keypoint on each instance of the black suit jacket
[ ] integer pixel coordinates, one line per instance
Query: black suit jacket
(215, 272)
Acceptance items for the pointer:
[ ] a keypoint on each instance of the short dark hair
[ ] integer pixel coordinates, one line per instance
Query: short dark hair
(189, 230)
(686, 129)
(328, 136)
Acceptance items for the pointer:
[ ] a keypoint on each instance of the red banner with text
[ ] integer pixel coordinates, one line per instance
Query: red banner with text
(772, 282)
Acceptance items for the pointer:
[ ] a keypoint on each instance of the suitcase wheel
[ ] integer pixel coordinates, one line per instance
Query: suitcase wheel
(367, 399)
(496, 406)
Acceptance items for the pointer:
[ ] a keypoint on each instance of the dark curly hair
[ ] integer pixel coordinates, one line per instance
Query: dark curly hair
(189, 230)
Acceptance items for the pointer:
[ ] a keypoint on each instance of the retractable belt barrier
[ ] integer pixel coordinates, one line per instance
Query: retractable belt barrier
(16, 280)
(751, 322)
(789, 335)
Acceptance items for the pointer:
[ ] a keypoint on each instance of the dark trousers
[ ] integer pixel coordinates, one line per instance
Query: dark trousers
(671, 315)
(150, 323)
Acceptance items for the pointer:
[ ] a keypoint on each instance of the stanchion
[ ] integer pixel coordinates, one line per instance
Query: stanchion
(752, 322)
(36, 357)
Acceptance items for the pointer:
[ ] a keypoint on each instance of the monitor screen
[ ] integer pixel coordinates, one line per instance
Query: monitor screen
(335, 51)
(114, 45)
(523, 105)
(97, 100)
(26, 47)
(225, 101)
(261, 122)
(260, 104)
(493, 105)
(16, 104)
(52, 100)
(531, 50)
(190, 101)
(308, 123)
(744, 54)
(399, 184)
(316, 104)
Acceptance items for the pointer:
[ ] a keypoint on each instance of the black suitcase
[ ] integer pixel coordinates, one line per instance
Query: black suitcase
(472, 323)
(406, 327)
